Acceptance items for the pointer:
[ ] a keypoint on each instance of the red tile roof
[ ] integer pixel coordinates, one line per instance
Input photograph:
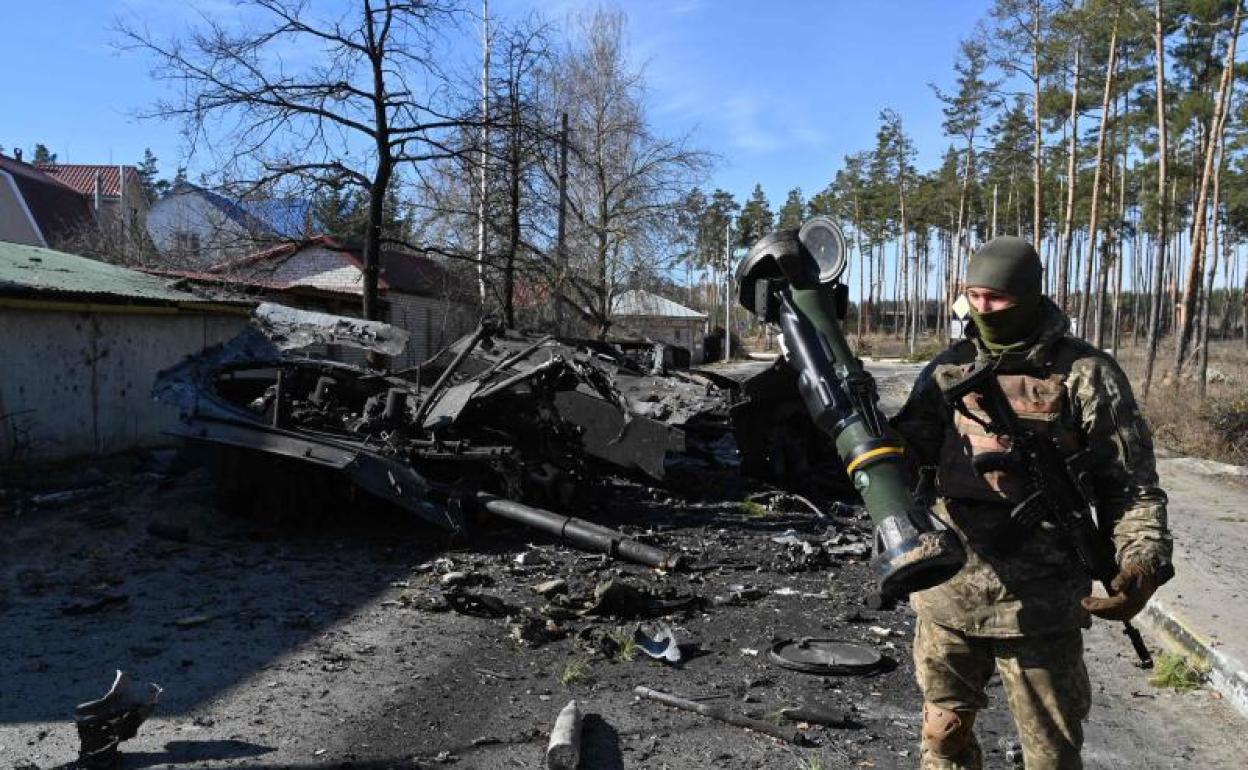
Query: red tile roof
(81, 176)
(57, 208)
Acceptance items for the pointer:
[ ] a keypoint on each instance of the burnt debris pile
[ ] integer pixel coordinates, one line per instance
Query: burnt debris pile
(499, 422)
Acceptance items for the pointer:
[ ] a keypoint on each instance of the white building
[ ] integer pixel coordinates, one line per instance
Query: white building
(659, 319)
(201, 227)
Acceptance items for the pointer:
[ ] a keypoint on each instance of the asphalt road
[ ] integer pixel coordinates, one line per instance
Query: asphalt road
(328, 647)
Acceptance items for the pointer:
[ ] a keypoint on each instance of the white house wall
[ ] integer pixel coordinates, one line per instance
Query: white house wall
(79, 384)
(220, 237)
(320, 268)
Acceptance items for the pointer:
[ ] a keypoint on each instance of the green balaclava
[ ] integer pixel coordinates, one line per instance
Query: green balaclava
(1011, 265)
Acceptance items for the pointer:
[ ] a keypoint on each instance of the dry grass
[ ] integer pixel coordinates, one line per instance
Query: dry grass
(576, 672)
(1215, 427)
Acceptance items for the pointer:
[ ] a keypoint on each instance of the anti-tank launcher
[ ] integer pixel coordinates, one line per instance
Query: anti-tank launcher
(791, 278)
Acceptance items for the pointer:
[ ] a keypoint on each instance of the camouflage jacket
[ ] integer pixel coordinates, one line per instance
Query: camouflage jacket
(1037, 587)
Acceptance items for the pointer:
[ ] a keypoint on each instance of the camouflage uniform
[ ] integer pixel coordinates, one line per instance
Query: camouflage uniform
(1021, 611)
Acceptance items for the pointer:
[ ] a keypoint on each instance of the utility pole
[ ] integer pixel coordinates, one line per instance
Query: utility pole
(485, 140)
(561, 255)
(727, 292)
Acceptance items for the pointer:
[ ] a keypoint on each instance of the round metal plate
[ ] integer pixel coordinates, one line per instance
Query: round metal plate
(825, 656)
(826, 244)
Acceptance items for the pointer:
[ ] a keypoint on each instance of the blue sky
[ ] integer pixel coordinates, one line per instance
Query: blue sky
(778, 90)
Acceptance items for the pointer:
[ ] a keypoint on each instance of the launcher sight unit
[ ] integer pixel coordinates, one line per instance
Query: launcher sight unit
(790, 278)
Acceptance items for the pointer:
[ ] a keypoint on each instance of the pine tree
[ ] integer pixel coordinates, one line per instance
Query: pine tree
(965, 112)
(791, 211)
(43, 156)
(148, 171)
(756, 219)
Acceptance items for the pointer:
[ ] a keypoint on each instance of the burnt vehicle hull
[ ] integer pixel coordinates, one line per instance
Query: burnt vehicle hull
(514, 415)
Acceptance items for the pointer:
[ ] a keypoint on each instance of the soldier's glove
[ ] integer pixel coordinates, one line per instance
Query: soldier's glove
(1133, 586)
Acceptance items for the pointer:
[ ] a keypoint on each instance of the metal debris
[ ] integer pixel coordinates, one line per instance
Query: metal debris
(579, 532)
(495, 418)
(788, 735)
(564, 750)
(661, 645)
(104, 723)
(825, 656)
(290, 328)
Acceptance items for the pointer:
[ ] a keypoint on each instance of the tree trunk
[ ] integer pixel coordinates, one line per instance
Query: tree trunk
(485, 142)
(910, 284)
(1207, 299)
(1120, 254)
(561, 230)
(1037, 171)
(1243, 309)
(513, 235)
(1072, 170)
(1199, 224)
(862, 268)
(1085, 302)
(1224, 318)
(962, 241)
(1154, 324)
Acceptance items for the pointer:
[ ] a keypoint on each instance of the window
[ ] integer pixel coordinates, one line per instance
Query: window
(186, 244)
(676, 334)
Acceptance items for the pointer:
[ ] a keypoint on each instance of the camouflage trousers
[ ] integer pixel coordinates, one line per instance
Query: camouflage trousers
(1045, 681)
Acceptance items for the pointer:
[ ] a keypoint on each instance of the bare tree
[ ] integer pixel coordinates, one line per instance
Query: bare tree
(363, 97)
(624, 182)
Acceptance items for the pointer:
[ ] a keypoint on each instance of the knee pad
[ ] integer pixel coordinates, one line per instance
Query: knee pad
(946, 733)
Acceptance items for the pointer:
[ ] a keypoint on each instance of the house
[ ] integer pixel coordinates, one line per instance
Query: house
(83, 341)
(37, 209)
(202, 228)
(416, 293)
(109, 191)
(659, 319)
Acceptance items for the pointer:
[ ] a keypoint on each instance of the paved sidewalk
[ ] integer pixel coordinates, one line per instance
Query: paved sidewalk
(1204, 610)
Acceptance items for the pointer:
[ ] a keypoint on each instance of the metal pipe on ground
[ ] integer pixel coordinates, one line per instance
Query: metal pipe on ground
(579, 532)
(787, 734)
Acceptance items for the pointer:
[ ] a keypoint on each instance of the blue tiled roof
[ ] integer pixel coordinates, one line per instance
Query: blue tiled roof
(283, 217)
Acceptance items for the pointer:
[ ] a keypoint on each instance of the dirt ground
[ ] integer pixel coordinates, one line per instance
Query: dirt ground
(330, 644)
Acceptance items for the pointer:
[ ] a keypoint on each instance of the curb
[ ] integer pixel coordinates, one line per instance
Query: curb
(1227, 675)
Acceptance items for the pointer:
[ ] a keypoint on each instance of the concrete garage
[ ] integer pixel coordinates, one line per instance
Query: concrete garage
(81, 342)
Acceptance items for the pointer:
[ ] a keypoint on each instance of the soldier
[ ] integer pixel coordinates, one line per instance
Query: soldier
(1022, 613)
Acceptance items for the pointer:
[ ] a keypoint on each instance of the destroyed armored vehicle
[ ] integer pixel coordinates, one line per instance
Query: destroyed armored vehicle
(498, 414)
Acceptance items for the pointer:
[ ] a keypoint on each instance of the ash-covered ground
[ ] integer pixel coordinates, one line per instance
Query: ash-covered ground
(344, 643)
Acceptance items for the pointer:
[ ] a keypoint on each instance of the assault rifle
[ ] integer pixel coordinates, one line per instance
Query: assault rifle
(1058, 488)
(789, 278)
